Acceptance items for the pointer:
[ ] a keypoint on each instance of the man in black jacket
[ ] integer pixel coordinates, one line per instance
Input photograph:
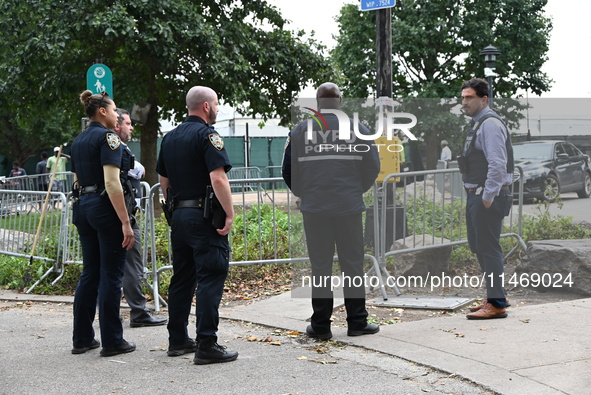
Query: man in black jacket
(330, 175)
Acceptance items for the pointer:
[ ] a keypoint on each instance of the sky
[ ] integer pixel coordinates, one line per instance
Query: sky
(566, 64)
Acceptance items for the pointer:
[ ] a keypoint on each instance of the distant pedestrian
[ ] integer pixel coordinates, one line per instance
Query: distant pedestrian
(17, 170)
(445, 153)
(41, 170)
(58, 181)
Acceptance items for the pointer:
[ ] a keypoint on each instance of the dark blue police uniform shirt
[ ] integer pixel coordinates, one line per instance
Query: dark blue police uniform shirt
(127, 161)
(188, 154)
(92, 149)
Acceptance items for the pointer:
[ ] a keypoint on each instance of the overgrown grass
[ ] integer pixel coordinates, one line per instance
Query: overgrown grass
(259, 233)
(543, 226)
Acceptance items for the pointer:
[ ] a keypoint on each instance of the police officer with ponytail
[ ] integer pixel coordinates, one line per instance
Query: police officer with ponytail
(104, 227)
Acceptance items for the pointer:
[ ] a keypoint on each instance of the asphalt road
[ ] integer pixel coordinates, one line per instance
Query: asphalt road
(572, 206)
(36, 359)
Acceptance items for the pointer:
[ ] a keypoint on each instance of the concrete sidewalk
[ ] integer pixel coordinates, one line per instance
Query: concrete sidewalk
(538, 349)
(541, 349)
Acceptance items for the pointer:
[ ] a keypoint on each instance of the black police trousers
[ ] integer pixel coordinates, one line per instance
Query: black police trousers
(200, 256)
(103, 260)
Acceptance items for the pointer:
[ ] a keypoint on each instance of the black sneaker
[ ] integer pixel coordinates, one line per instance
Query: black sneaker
(213, 354)
(369, 329)
(188, 347)
(322, 336)
(122, 348)
(81, 350)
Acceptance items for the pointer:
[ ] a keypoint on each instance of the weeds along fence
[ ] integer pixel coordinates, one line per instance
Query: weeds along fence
(407, 212)
(267, 229)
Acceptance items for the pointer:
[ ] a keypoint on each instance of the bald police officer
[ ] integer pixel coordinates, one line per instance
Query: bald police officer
(192, 157)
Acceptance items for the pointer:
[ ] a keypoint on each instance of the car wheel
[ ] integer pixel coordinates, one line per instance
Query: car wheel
(586, 191)
(551, 188)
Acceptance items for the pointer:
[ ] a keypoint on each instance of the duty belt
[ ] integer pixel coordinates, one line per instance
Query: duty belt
(478, 190)
(196, 203)
(90, 189)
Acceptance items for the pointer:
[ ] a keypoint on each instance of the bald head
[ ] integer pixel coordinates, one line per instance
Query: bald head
(203, 102)
(328, 95)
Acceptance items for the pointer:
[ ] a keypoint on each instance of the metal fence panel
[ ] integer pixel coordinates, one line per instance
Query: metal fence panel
(428, 202)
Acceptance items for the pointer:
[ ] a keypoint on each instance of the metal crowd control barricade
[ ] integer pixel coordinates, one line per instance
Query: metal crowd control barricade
(59, 243)
(21, 209)
(275, 198)
(244, 173)
(20, 212)
(420, 192)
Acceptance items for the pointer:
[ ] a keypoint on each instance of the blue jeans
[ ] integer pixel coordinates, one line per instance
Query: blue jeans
(103, 259)
(484, 233)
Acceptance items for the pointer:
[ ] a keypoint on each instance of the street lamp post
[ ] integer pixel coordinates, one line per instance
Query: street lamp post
(490, 57)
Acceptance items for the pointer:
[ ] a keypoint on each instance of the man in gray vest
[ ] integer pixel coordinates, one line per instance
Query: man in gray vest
(486, 165)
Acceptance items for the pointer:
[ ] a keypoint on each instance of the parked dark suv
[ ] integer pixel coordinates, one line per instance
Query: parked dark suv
(550, 168)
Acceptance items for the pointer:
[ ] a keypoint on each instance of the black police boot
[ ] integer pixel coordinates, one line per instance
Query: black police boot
(211, 352)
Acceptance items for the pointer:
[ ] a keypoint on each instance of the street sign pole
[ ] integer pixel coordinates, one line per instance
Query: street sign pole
(384, 52)
(370, 5)
(383, 43)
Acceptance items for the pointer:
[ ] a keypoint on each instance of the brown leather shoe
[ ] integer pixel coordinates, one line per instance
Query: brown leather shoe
(480, 306)
(487, 312)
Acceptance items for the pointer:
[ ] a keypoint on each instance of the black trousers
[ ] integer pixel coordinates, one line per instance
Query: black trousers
(484, 226)
(103, 261)
(323, 233)
(200, 256)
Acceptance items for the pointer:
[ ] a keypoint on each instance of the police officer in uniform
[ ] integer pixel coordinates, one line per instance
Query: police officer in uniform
(330, 176)
(192, 156)
(487, 166)
(104, 227)
(134, 267)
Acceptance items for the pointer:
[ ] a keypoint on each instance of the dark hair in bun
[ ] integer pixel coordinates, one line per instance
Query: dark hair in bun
(92, 102)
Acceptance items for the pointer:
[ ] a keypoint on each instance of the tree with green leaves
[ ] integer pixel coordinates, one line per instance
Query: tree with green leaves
(436, 46)
(156, 50)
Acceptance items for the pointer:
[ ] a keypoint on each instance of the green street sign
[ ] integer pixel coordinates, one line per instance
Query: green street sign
(99, 79)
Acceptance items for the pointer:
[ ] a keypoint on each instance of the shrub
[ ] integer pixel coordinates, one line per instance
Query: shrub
(18, 273)
(543, 226)
(263, 232)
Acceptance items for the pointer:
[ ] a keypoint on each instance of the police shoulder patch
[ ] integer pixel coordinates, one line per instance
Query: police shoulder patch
(113, 141)
(216, 141)
(287, 143)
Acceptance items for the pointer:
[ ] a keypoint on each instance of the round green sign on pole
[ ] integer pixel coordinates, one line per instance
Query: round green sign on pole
(99, 79)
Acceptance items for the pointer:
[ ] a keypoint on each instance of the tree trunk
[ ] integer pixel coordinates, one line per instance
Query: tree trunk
(149, 144)
(432, 142)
